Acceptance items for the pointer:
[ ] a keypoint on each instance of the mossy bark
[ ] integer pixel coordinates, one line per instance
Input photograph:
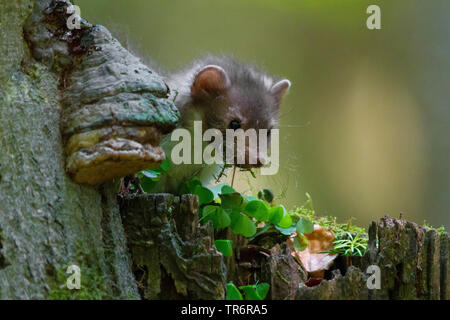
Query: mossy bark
(48, 222)
(413, 264)
(173, 256)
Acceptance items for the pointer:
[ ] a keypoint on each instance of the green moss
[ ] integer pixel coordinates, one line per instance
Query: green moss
(440, 230)
(328, 222)
(92, 286)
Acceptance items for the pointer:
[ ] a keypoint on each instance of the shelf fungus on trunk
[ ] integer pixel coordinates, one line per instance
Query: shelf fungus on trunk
(115, 109)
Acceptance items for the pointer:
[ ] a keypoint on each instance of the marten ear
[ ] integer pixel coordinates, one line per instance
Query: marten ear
(280, 88)
(210, 82)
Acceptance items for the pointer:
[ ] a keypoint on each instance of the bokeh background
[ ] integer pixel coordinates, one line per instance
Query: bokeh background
(366, 127)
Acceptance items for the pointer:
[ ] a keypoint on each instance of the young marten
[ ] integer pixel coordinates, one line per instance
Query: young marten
(224, 94)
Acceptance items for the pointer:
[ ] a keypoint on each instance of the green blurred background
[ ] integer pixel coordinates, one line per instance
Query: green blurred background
(365, 129)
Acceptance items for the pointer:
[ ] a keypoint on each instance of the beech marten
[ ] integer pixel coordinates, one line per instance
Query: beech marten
(224, 94)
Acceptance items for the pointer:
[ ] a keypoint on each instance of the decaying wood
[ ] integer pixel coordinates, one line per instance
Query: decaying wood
(413, 261)
(173, 256)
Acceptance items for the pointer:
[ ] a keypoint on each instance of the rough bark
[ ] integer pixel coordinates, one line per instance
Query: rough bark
(283, 273)
(348, 287)
(445, 267)
(163, 232)
(173, 256)
(413, 262)
(48, 222)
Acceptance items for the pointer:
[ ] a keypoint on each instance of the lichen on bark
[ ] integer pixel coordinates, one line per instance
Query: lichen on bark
(46, 219)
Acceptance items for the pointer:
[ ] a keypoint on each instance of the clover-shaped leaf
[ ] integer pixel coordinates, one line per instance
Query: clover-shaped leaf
(204, 194)
(305, 226)
(226, 189)
(231, 201)
(257, 209)
(233, 292)
(256, 292)
(300, 242)
(279, 216)
(225, 247)
(286, 231)
(189, 186)
(219, 218)
(241, 224)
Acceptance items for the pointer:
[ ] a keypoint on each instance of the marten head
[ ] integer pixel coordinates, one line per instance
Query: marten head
(232, 95)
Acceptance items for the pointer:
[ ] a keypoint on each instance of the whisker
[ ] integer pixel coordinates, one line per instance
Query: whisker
(295, 126)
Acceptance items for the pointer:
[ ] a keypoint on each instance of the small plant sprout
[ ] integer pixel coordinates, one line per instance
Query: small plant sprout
(351, 246)
(428, 227)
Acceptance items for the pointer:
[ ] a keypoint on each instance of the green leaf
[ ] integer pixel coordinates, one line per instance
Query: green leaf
(257, 209)
(286, 221)
(147, 184)
(233, 292)
(166, 165)
(304, 226)
(216, 190)
(221, 189)
(241, 224)
(276, 214)
(151, 174)
(286, 231)
(226, 189)
(262, 290)
(250, 292)
(256, 292)
(204, 194)
(219, 218)
(225, 247)
(261, 231)
(231, 201)
(279, 216)
(249, 198)
(300, 242)
(189, 186)
(266, 195)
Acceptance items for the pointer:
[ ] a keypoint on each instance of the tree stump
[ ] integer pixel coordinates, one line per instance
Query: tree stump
(413, 264)
(173, 256)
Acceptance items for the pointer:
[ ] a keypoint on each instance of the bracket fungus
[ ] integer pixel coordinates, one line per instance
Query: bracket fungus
(114, 108)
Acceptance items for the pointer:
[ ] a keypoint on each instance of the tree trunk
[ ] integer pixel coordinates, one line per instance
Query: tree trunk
(48, 222)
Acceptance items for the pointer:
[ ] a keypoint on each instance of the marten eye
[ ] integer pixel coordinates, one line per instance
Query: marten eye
(234, 124)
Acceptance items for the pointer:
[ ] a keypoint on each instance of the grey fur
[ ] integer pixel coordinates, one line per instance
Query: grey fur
(244, 77)
(249, 98)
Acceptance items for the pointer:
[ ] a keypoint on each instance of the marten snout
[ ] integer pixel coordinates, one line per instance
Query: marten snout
(249, 157)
